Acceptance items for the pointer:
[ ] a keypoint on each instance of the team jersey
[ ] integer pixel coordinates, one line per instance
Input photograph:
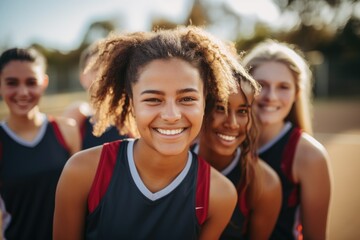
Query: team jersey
(29, 172)
(279, 154)
(121, 206)
(90, 140)
(236, 229)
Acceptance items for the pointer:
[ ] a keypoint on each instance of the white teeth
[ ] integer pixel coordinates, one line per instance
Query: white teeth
(269, 108)
(170, 132)
(226, 137)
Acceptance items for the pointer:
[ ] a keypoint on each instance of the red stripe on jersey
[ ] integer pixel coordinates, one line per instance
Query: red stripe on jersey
(103, 174)
(202, 190)
(289, 152)
(58, 133)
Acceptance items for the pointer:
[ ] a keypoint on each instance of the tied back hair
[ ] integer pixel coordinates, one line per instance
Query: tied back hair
(122, 57)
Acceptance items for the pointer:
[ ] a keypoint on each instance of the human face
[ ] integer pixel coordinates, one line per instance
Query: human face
(87, 77)
(226, 130)
(21, 85)
(278, 92)
(168, 103)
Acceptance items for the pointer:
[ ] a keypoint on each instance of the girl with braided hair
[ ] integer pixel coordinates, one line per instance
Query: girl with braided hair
(158, 86)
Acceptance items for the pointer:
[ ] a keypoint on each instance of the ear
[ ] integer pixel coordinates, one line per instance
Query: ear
(132, 108)
(45, 82)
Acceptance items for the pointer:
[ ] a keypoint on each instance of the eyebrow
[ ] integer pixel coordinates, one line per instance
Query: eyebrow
(245, 105)
(181, 91)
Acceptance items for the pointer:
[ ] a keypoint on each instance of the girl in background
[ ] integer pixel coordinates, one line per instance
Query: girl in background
(286, 144)
(34, 147)
(228, 143)
(82, 112)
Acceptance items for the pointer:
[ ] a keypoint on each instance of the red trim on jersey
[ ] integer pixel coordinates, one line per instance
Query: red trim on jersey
(287, 164)
(202, 191)
(289, 152)
(103, 174)
(243, 205)
(58, 133)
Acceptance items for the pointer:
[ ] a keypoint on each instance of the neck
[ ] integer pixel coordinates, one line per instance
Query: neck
(156, 170)
(268, 132)
(26, 127)
(218, 161)
(32, 120)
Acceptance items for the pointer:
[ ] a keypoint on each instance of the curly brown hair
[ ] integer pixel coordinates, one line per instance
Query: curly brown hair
(122, 57)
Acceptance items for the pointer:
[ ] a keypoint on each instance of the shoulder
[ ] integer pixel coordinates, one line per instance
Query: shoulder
(83, 164)
(310, 155)
(265, 181)
(221, 188)
(70, 132)
(78, 111)
(310, 151)
(268, 176)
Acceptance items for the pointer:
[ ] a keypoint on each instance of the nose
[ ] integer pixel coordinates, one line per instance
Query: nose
(23, 90)
(231, 121)
(268, 93)
(171, 112)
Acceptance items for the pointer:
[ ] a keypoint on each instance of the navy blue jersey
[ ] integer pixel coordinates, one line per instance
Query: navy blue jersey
(90, 140)
(121, 207)
(29, 172)
(279, 154)
(236, 229)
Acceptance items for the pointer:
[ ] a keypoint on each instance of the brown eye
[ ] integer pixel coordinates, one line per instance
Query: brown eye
(220, 108)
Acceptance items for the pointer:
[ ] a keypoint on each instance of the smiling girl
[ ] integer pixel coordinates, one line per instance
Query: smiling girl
(286, 144)
(34, 147)
(228, 143)
(153, 187)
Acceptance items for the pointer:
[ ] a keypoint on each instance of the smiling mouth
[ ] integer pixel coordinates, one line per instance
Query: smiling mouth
(269, 108)
(170, 132)
(226, 137)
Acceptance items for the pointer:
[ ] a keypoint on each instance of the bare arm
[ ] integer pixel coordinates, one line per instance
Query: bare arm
(71, 133)
(222, 201)
(71, 195)
(311, 167)
(266, 203)
(78, 111)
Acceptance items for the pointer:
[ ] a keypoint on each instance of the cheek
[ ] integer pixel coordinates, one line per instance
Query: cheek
(195, 112)
(288, 96)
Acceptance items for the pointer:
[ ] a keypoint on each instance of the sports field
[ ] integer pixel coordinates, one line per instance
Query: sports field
(337, 126)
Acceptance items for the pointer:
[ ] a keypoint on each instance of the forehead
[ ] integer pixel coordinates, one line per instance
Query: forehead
(273, 71)
(169, 75)
(239, 98)
(21, 70)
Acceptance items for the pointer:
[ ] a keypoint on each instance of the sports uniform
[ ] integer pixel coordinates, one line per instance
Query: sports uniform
(236, 229)
(121, 207)
(279, 154)
(90, 140)
(29, 172)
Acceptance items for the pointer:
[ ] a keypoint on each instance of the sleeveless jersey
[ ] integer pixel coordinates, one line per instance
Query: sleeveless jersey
(279, 154)
(29, 172)
(90, 140)
(121, 207)
(236, 229)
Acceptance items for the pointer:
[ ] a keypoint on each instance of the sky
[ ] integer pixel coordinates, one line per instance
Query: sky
(62, 24)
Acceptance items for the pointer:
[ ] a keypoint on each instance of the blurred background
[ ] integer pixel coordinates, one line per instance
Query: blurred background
(328, 31)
